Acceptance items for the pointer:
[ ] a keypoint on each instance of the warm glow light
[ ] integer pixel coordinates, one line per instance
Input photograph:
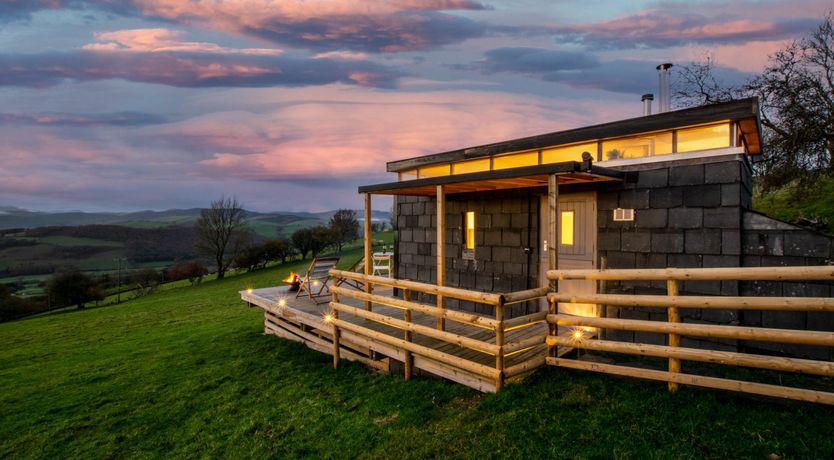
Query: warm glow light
(315, 283)
(567, 228)
(577, 334)
(282, 302)
(470, 230)
(515, 160)
(249, 290)
(328, 317)
(704, 138)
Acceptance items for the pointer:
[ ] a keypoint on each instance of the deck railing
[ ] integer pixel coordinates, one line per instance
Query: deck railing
(494, 345)
(673, 327)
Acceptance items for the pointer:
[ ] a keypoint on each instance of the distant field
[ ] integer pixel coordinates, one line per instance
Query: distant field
(72, 241)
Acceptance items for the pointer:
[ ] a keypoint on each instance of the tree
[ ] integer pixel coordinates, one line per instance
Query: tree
(251, 258)
(192, 270)
(73, 288)
(146, 281)
(345, 227)
(796, 93)
(302, 240)
(323, 238)
(278, 249)
(222, 232)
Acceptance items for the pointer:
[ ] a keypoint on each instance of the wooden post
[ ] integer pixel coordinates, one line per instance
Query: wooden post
(441, 250)
(553, 248)
(369, 245)
(409, 360)
(674, 339)
(335, 333)
(499, 341)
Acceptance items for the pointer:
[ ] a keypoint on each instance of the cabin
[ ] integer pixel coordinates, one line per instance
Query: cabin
(635, 236)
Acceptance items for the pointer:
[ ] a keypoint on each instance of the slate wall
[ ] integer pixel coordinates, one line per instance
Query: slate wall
(688, 214)
(506, 254)
(767, 242)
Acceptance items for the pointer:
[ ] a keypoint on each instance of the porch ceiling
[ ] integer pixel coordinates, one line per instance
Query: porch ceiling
(569, 172)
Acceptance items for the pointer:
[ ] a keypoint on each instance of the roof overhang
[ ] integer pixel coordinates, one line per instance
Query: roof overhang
(569, 172)
(743, 111)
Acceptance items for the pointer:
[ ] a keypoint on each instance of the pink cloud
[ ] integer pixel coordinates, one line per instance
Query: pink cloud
(163, 40)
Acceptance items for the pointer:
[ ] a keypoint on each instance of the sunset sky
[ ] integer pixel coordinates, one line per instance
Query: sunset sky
(290, 105)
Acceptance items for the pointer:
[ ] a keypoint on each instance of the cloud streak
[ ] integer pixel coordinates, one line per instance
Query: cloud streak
(80, 120)
(190, 70)
(659, 28)
(164, 41)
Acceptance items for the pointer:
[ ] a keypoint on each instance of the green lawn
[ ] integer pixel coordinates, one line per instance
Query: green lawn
(187, 372)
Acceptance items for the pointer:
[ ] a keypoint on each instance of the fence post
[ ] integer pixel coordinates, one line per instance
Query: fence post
(409, 360)
(673, 316)
(499, 342)
(335, 316)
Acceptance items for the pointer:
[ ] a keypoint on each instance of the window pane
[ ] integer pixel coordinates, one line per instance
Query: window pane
(637, 147)
(704, 138)
(408, 175)
(470, 230)
(516, 160)
(470, 166)
(568, 153)
(567, 228)
(434, 171)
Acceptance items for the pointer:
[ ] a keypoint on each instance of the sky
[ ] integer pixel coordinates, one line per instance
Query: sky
(292, 104)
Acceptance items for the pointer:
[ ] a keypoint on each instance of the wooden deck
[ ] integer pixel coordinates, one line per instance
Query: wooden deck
(302, 320)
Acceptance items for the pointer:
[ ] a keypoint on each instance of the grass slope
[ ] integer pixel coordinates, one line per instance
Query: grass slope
(187, 372)
(789, 203)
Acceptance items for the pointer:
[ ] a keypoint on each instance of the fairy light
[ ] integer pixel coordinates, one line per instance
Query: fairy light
(315, 283)
(282, 302)
(248, 290)
(577, 334)
(328, 317)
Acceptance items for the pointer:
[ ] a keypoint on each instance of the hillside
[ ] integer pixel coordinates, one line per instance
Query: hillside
(187, 372)
(12, 217)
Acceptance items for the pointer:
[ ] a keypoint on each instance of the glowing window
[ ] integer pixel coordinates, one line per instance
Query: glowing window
(704, 138)
(470, 166)
(567, 228)
(515, 160)
(637, 147)
(434, 171)
(568, 153)
(469, 229)
(408, 175)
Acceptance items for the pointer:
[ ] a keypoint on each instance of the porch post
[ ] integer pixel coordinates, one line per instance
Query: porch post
(441, 250)
(553, 247)
(369, 244)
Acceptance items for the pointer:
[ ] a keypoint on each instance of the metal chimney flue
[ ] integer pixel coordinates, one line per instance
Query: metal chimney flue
(647, 104)
(665, 102)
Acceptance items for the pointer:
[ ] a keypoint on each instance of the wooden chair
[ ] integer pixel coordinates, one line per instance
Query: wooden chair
(316, 279)
(382, 264)
(358, 267)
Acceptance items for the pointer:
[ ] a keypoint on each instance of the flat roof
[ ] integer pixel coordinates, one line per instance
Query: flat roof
(568, 172)
(743, 111)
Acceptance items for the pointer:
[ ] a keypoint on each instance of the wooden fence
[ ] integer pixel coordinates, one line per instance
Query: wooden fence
(674, 328)
(462, 331)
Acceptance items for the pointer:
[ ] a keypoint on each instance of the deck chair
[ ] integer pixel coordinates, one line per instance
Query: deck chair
(358, 267)
(382, 265)
(316, 279)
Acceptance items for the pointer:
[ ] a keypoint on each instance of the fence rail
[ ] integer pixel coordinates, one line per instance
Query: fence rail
(494, 345)
(674, 328)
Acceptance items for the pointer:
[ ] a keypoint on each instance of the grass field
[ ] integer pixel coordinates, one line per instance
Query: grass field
(187, 372)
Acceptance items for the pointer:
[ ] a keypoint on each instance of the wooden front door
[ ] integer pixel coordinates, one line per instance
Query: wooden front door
(577, 246)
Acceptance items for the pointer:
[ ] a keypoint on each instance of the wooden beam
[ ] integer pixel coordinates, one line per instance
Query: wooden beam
(704, 302)
(552, 248)
(821, 273)
(457, 293)
(441, 250)
(699, 380)
(774, 363)
(369, 247)
(674, 339)
(408, 362)
(471, 319)
(798, 337)
(499, 342)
